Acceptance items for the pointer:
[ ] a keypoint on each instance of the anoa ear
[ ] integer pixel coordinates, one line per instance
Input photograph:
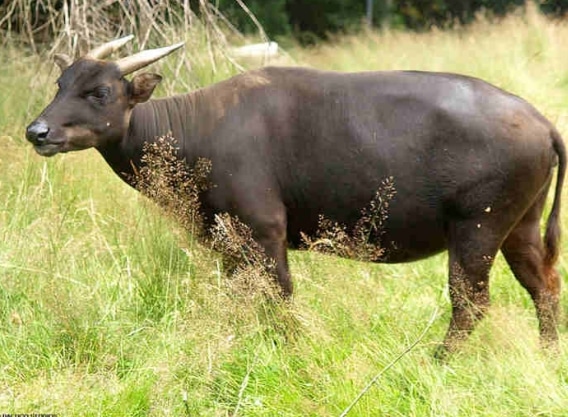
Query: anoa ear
(142, 86)
(63, 61)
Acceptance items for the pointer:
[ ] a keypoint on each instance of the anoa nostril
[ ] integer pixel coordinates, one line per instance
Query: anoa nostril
(37, 132)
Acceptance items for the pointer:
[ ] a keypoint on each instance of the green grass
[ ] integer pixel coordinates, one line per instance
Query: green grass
(108, 308)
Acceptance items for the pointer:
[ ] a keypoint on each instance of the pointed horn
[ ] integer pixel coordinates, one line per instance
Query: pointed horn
(63, 61)
(144, 58)
(108, 48)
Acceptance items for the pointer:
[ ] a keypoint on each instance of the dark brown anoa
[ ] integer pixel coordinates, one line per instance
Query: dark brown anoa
(471, 164)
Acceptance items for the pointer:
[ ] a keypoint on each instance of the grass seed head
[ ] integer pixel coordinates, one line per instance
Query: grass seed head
(251, 271)
(167, 180)
(363, 241)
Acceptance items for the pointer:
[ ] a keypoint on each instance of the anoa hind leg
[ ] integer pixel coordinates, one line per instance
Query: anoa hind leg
(472, 249)
(525, 253)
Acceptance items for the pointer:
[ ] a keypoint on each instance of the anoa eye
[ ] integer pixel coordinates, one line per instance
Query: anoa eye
(99, 93)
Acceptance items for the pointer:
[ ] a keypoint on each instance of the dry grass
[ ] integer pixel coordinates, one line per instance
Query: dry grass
(363, 242)
(169, 182)
(524, 52)
(73, 26)
(76, 26)
(252, 273)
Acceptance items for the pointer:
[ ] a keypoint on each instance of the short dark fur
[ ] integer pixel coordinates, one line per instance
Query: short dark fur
(471, 164)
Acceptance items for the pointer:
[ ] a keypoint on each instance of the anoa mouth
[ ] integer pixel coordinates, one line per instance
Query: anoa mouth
(48, 149)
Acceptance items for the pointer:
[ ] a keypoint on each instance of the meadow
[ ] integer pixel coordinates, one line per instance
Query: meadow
(109, 308)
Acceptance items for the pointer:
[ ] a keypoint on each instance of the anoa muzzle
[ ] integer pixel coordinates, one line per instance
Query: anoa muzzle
(471, 163)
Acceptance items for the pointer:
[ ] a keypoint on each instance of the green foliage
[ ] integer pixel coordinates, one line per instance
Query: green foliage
(557, 8)
(310, 20)
(423, 14)
(272, 15)
(320, 17)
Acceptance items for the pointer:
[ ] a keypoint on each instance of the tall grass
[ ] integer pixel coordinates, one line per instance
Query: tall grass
(107, 307)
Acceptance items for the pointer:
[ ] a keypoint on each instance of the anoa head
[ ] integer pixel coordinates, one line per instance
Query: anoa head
(94, 99)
